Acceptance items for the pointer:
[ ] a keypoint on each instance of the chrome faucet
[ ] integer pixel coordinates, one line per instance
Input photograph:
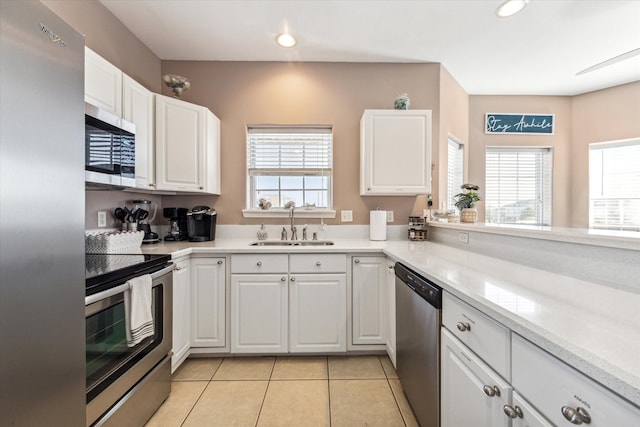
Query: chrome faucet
(294, 232)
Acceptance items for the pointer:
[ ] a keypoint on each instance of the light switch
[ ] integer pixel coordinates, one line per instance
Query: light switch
(346, 216)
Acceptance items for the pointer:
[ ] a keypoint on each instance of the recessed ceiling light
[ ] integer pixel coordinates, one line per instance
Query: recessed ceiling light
(285, 40)
(510, 8)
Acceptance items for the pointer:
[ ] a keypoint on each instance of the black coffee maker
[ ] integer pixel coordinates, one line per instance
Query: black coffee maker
(201, 224)
(177, 224)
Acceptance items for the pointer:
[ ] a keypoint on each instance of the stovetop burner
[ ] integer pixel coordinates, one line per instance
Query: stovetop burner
(103, 271)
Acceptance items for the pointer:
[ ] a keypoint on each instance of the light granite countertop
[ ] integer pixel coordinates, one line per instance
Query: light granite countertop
(593, 328)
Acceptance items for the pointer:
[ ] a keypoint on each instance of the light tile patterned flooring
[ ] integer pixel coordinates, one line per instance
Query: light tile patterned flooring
(333, 391)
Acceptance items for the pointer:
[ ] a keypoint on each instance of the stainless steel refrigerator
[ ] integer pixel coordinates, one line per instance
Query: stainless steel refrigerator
(42, 320)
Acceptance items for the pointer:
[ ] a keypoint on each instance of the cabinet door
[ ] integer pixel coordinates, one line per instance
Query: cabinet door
(395, 152)
(259, 313)
(180, 135)
(469, 388)
(138, 109)
(527, 416)
(390, 283)
(318, 313)
(102, 83)
(368, 300)
(181, 316)
(208, 302)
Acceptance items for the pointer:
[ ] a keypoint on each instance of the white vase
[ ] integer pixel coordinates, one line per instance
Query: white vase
(469, 215)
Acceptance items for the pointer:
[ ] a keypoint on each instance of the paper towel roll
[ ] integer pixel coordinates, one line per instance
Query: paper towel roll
(378, 225)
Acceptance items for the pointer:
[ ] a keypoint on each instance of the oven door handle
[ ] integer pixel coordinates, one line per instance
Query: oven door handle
(121, 288)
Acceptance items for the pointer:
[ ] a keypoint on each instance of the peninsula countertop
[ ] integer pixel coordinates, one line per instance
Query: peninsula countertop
(592, 327)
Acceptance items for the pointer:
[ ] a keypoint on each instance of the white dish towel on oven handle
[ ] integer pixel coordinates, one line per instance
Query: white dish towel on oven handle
(137, 310)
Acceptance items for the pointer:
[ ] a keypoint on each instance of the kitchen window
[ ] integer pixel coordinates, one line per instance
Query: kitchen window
(290, 164)
(518, 185)
(455, 170)
(614, 185)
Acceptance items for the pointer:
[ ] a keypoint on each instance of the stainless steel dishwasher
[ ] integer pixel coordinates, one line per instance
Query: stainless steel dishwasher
(418, 320)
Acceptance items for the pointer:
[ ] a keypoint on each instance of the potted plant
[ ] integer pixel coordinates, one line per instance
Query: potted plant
(466, 202)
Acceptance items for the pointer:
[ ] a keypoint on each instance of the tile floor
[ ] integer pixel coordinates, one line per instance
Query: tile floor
(279, 391)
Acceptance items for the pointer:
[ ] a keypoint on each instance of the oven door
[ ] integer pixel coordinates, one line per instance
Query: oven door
(113, 368)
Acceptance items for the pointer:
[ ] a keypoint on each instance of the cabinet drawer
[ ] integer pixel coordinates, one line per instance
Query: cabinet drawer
(260, 263)
(318, 263)
(487, 338)
(549, 384)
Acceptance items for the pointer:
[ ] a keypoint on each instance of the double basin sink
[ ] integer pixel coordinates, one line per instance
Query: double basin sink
(292, 243)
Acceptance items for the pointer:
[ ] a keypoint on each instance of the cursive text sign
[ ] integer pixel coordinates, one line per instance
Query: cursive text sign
(517, 123)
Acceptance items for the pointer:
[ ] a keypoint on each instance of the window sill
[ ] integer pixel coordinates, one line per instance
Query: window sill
(284, 213)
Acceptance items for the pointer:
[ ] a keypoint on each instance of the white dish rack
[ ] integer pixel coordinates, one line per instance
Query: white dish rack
(113, 242)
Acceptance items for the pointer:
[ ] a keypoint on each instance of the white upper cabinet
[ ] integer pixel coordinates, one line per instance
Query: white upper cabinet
(138, 108)
(187, 147)
(102, 83)
(395, 152)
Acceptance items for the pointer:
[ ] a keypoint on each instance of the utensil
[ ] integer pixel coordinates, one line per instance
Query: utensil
(120, 214)
(141, 214)
(129, 214)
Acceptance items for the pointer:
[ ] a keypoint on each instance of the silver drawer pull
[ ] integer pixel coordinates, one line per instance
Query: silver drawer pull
(259, 263)
(576, 416)
(293, 279)
(463, 326)
(219, 262)
(512, 412)
(357, 261)
(283, 278)
(491, 391)
(318, 264)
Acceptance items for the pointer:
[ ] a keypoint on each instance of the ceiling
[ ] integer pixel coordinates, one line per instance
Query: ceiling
(536, 52)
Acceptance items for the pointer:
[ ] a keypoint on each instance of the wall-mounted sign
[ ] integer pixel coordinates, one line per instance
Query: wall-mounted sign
(517, 123)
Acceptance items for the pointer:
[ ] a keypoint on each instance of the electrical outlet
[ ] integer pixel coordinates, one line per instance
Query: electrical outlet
(346, 216)
(463, 238)
(102, 219)
(389, 216)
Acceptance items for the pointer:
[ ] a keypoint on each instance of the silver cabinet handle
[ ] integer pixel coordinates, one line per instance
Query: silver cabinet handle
(463, 326)
(178, 268)
(259, 263)
(201, 187)
(512, 412)
(293, 279)
(283, 279)
(491, 391)
(318, 264)
(576, 416)
(152, 185)
(219, 262)
(357, 261)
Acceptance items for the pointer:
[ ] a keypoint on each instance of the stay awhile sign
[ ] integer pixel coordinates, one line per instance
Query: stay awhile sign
(517, 123)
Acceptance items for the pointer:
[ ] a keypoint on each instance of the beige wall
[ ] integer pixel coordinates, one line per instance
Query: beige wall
(107, 36)
(604, 115)
(242, 93)
(454, 121)
(560, 141)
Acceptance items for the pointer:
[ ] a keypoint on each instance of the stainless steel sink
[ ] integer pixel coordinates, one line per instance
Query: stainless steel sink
(292, 243)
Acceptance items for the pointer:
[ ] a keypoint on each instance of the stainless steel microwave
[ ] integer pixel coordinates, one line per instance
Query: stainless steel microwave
(110, 149)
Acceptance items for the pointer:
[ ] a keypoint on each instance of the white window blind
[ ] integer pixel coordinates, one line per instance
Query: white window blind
(518, 185)
(455, 170)
(290, 163)
(614, 185)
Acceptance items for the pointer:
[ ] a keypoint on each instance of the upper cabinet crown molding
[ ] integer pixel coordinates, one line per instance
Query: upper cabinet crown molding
(395, 152)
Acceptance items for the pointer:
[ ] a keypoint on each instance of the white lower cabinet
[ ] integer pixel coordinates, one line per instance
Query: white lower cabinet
(317, 313)
(523, 414)
(208, 302)
(181, 313)
(563, 395)
(303, 310)
(472, 394)
(259, 313)
(369, 295)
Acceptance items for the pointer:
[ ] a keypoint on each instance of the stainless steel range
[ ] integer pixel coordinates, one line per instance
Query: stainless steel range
(126, 384)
